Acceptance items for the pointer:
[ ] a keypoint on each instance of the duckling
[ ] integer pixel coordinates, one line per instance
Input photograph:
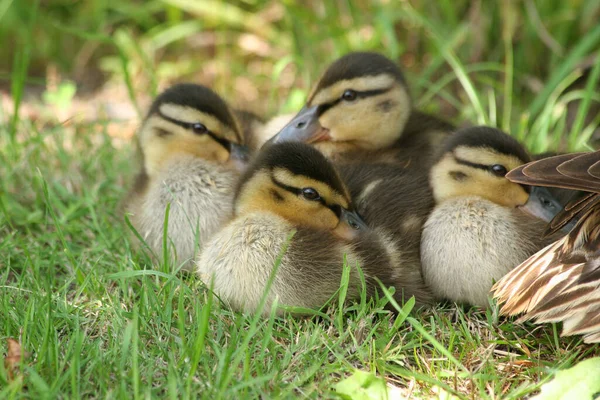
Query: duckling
(394, 202)
(478, 230)
(561, 283)
(258, 130)
(190, 145)
(361, 109)
(291, 187)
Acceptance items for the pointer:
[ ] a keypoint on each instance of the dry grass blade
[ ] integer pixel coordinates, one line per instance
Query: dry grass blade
(13, 357)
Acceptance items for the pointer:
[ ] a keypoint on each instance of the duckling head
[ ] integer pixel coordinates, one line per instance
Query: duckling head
(297, 183)
(189, 119)
(360, 102)
(474, 162)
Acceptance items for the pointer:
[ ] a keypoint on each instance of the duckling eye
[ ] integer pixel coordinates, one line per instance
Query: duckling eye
(199, 128)
(310, 194)
(349, 95)
(499, 170)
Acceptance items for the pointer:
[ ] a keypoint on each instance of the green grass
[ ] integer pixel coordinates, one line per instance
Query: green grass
(101, 321)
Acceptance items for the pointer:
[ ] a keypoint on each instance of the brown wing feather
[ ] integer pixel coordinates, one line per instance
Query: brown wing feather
(561, 283)
(594, 170)
(546, 172)
(551, 176)
(571, 210)
(577, 167)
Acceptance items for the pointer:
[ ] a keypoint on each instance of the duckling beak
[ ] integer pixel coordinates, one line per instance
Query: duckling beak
(351, 225)
(543, 205)
(304, 127)
(239, 156)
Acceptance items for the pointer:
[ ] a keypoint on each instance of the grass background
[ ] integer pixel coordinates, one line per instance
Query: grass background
(100, 321)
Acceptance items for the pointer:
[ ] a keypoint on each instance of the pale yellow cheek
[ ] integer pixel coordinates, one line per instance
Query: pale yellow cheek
(364, 123)
(507, 194)
(516, 195)
(334, 150)
(160, 151)
(344, 123)
(325, 219)
(311, 215)
(202, 147)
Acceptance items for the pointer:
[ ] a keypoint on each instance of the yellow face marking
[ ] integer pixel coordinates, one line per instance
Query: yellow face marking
(371, 122)
(450, 179)
(162, 140)
(260, 193)
(192, 115)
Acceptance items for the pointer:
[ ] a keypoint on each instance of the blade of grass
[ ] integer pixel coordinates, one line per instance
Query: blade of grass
(439, 347)
(203, 319)
(165, 241)
(4, 6)
(454, 62)
(60, 233)
(227, 14)
(590, 87)
(508, 33)
(585, 45)
(344, 282)
(253, 328)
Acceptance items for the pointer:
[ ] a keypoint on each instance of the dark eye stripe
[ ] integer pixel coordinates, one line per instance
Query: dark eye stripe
(189, 126)
(359, 95)
(335, 208)
(472, 164)
(294, 190)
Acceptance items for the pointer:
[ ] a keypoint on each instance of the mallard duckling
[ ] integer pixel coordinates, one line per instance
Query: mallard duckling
(360, 106)
(258, 130)
(190, 145)
(395, 202)
(293, 187)
(478, 230)
(561, 283)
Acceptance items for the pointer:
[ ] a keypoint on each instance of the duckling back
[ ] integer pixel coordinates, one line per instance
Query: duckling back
(395, 202)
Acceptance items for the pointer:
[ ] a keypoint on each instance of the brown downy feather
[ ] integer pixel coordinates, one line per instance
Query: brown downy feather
(561, 283)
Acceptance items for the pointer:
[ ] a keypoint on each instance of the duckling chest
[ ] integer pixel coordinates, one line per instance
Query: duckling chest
(196, 193)
(474, 223)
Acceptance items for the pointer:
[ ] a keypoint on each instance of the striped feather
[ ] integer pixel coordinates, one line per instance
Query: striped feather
(561, 283)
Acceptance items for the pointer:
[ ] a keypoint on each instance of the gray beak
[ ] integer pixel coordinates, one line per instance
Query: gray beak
(544, 205)
(304, 127)
(351, 225)
(239, 152)
(239, 156)
(353, 219)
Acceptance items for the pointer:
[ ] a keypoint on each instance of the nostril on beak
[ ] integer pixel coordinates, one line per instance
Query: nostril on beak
(301, 124)
(546, 202)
